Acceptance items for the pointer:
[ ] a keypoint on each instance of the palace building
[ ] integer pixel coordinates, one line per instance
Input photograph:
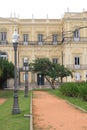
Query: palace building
(63, 41)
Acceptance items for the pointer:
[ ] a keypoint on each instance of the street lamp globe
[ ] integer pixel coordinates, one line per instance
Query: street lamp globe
(15, 37)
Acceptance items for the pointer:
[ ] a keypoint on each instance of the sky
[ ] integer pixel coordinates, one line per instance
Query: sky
(40, 8)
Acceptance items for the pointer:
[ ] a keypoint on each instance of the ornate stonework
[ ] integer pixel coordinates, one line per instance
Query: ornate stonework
(62, 39)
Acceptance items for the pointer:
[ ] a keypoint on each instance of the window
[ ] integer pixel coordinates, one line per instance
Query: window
(55, 60)
(77, 60)
(40, 38)
(3, 55)
(77, 63)
(25, 39)
(25, 76)
(76, 35)
(55, 38)
(77, 76)
(3, 37)
(25, 61)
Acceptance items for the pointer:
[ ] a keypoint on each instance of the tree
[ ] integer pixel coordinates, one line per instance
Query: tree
(6, 71)
(64, 72)
(50, 70)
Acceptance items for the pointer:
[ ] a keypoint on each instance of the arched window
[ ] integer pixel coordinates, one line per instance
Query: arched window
(3, 55)
(3, 37)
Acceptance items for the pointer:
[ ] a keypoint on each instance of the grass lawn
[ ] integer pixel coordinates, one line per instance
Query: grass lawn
(14, 122)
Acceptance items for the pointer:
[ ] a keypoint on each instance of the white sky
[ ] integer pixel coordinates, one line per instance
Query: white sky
(40, 8)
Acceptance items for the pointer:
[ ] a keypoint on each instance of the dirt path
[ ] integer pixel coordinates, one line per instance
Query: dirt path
(51, 113)
(2, 100)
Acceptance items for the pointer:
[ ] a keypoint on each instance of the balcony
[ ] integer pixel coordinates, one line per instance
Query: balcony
(40, 43)
(72, 39)
(77, 67)
(3, 42)
(66, 39)
(36, 43)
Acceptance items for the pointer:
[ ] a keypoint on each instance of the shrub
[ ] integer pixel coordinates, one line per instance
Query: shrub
(70, 89)
(83, 92)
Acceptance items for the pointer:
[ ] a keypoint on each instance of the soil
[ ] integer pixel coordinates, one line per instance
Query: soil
(2, 100)
(52, 113)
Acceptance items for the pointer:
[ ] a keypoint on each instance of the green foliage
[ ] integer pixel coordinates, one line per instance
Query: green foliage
(40, 65)
(83, 91)
(65, 72)
(70, 89)
(6, 71)
(46, 67)
(75, 90)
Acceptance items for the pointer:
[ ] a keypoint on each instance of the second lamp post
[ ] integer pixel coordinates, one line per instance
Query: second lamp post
(26, 78)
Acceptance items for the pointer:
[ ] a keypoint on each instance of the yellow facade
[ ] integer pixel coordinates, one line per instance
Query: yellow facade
(61, 40)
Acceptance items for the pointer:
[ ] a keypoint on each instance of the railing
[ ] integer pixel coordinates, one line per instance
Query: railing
(77, 67)
(40, 43)
(3, 42)
(65, 39)
(72, 39)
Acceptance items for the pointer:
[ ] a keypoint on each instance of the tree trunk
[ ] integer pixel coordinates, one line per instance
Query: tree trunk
(53, 87)
(1, 83)
(52, 84)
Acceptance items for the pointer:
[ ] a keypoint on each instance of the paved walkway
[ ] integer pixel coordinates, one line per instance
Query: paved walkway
(52, 113)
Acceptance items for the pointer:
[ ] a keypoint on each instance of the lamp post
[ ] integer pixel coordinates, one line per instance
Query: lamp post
(15, 109)
(26, 78)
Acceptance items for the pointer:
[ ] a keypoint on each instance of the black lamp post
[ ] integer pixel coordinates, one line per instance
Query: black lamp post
(15, 109)
(26, 78)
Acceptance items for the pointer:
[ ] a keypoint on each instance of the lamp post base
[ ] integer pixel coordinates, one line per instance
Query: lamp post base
(15, 109)
(26, 91)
